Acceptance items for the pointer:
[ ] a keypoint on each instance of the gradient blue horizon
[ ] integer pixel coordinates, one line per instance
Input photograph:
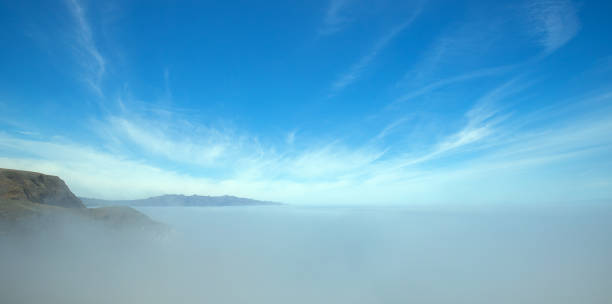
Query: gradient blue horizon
(337, 101)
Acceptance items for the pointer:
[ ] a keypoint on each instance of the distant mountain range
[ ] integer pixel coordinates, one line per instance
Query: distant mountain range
(177, 200)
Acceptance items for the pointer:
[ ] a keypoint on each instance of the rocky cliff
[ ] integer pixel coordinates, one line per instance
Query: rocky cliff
(40, 202)
(38, 188)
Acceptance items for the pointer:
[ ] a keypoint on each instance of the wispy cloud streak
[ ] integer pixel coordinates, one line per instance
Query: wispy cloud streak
(554, 22)
(327, 171)
(90, 57)
(447, 82)
(483, 121)
(355, 72)
(335, 17)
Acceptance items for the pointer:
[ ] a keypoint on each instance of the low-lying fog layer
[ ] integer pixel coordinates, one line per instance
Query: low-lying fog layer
(321, 255)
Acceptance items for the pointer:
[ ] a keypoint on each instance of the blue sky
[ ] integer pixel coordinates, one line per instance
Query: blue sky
(323, 102)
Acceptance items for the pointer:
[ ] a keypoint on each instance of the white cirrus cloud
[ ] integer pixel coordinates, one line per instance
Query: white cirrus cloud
(486, 159)
(355, 71)
(554, 22)
(336, 17)
(89, 56)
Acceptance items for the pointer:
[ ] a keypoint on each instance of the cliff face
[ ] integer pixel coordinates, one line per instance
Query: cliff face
(36, 187)
(32, 202)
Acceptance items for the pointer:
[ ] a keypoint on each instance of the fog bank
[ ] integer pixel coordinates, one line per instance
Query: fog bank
(320, 255)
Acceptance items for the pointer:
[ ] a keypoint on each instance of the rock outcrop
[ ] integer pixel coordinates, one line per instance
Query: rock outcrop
(31, 201)
(37, 188)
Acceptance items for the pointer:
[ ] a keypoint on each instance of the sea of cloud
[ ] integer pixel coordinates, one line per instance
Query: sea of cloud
(320, 255)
